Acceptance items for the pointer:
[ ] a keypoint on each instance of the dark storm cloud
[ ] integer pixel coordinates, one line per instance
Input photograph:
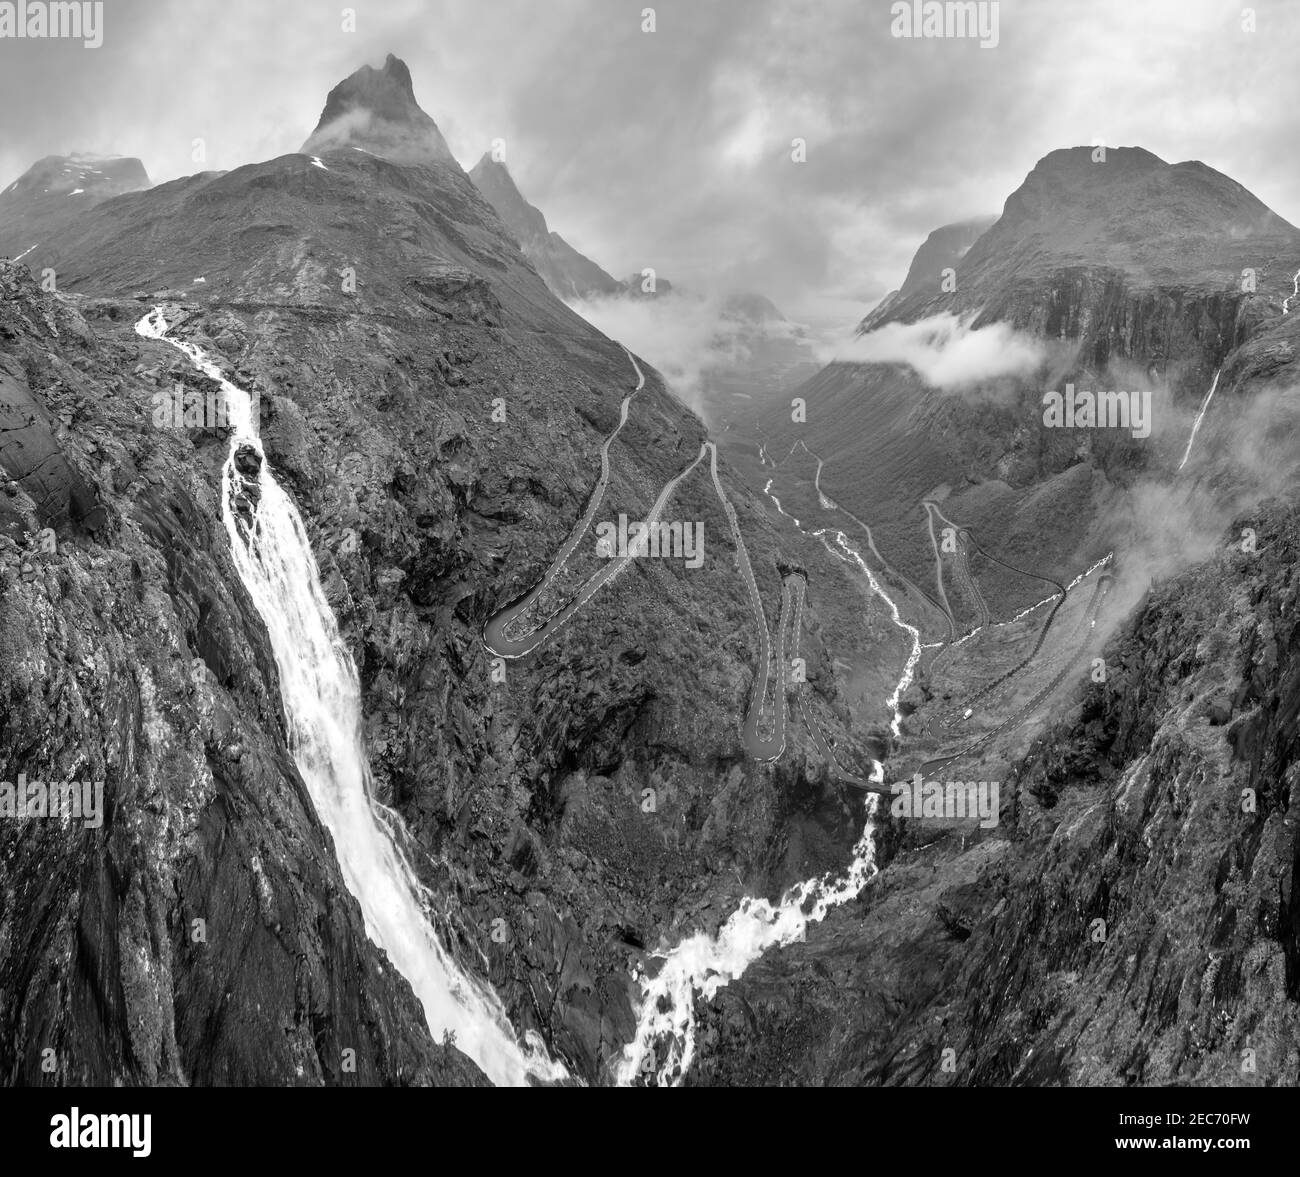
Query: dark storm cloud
(672, 149)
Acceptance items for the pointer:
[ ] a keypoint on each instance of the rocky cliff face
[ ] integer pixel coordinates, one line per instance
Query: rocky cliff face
(1134, 919)
(195, 929)
(374, 110)
(1127, 273)
(437, 416)
(940, 252)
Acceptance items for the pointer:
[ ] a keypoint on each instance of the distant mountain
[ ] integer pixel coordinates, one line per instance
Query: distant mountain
(1122, 271)
(761, 356)
(1138, 220)
(751, 308)
(56, 190)
(941, 251)
(375, 110)
(565, 271)
(635, 286)
(755, 351)
(568, 273)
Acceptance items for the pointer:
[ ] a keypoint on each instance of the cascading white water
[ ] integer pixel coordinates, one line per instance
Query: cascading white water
(702, 964)
(322, 702)
(827, 503)
(914, 655)
(1196, 425)
(1025, 612)
(767, 490)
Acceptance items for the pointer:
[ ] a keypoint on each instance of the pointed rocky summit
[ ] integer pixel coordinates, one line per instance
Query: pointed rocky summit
(375, 110)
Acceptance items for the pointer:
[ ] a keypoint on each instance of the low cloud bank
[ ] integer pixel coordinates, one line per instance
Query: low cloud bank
(946, 352)
(1244, 455)
(684, 336)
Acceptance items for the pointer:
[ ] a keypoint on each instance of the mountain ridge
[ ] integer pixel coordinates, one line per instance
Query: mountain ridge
(1054, 269)
(437, 417)
(567, 272)
(56, 190)
(446, 427)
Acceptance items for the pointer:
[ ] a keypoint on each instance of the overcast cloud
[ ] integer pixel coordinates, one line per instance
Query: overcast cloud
(672, 149)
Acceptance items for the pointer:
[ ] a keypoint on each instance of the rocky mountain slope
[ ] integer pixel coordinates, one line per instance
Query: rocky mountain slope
(437, 417)
(37, 207)
(436, 414)
(1131, 919)
(201, 932)
(565, 271)
(1132, 922)
(1124, 274)
(941, 251)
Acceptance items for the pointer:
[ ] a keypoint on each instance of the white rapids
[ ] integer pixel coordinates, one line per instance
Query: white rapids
(322, 702)
(702, 964)
(848, 553)
(844, 551)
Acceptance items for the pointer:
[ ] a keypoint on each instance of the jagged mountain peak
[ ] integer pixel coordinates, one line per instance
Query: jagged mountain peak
(375, 110)
(567, 272)
(487, 165)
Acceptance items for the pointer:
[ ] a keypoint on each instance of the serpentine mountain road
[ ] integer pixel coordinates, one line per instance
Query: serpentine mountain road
(508, 633)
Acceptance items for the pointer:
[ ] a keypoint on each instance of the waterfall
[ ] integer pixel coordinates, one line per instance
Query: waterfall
(322, 702)
(914, 634)
(702, 964)
(1196, 425)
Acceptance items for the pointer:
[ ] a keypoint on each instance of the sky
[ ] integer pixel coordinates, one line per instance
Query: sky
(672, 148)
